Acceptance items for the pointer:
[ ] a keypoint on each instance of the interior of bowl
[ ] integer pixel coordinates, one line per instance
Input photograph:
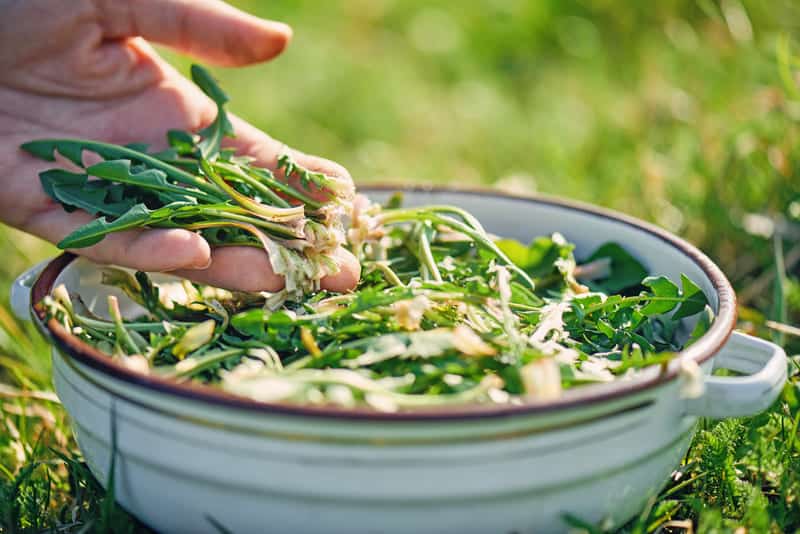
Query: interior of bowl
(522, 219)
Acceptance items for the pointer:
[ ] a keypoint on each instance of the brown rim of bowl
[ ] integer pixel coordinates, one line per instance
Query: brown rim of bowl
(700, 351)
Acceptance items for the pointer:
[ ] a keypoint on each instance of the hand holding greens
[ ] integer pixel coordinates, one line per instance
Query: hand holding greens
(197, 185)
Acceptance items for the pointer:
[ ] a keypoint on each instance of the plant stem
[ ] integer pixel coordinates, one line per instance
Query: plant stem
(184, 370)
(236, 171)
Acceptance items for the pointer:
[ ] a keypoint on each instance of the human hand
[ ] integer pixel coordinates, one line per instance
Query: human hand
(88, 72)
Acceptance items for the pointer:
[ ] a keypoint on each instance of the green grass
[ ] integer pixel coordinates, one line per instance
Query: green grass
(683, 113)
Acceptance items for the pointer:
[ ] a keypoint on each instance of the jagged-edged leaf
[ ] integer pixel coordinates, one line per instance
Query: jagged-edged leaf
(90, 200)
(46, 148)
(694, 300)
(94, 232)
(122, 171)
(119, 170)
(73, 148)
(54, 177)
(660, 286)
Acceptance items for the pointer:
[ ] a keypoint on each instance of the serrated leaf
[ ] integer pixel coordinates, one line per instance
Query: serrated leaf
(46, 148)
(121, 171)
(89, 200)
(694, 300)
(54, 177)
(73, 148)
(94, 232)
(660, 286)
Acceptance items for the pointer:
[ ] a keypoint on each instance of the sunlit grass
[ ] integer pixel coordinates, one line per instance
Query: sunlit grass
(683, 113)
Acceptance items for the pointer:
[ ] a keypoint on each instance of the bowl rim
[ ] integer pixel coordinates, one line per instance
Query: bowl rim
(700, 351)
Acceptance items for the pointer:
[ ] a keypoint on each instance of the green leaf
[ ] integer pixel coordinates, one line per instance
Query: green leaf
(120, 171)
(46, 148)
(538, 257)
(626, 271)
(606, 328)
(138, 147)
(221, 127)
(250, 322)
(91, 200)
(522, 295)
(73, 148)
(54, 177)
(694, 300)
(660, 286)
(74, 191)
(94, 232)
(182, 142)
(516, 251)
(542, 254)
(206, 82)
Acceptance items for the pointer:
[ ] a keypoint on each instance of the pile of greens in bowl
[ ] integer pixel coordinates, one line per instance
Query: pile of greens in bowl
(445, 313)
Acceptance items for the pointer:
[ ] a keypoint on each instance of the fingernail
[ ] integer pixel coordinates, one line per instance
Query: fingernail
(203, 266)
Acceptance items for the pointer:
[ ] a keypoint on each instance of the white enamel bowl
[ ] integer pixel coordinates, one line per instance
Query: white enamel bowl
(192, 459)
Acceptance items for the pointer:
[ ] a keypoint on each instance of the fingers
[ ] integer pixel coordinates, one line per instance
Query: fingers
(144, 250)
(253, 142)
(208, 29)
(238, 268)
(348, 275)
(186, 254)
(249, 269)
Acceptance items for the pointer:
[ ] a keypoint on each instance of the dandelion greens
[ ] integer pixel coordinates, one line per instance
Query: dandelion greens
(444, 314)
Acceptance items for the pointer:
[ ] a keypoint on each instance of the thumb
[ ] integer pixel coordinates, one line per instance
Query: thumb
(210, 30)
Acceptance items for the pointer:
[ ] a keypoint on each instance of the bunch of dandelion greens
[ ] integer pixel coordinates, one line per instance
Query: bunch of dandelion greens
(444, 314)
(197, 185)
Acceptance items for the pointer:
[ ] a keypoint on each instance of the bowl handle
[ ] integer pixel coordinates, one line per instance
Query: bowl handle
(763, 362)
(21, 291)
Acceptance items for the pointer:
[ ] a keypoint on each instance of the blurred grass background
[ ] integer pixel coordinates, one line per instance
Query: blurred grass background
(682, 112)
(673, 111)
